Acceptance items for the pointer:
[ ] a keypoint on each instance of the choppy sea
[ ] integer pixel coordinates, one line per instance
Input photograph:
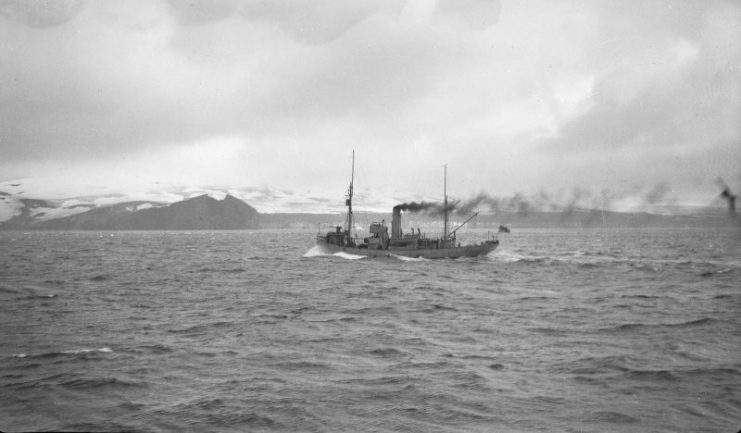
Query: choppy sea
(598, 330)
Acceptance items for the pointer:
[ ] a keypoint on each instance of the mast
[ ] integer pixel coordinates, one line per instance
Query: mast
(445, 195)
(348, 202)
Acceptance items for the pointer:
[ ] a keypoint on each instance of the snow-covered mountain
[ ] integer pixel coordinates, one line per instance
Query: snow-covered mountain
(201, 212)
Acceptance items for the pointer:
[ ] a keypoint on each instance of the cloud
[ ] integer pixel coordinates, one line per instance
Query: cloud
(470, 14)
(514, 97)
(677, 89)
(40, 14)
(197, 12)
(306, 21)
(661, 109)
(315, 22)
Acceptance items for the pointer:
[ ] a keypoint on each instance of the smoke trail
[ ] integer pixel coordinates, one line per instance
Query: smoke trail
(577, 195)
(658, 193)
(474, 204)
(569, 203)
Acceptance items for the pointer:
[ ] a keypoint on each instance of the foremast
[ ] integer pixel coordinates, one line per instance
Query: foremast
(348, 202)
(445, 202)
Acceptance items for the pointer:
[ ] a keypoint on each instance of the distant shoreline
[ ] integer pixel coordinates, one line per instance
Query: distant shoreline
(206, 213)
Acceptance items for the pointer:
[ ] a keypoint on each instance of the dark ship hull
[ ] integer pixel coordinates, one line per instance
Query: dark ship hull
(475, 250)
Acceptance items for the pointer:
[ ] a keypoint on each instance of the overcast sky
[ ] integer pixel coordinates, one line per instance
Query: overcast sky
(631, 100)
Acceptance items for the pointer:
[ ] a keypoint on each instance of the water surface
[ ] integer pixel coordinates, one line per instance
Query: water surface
(557, 330)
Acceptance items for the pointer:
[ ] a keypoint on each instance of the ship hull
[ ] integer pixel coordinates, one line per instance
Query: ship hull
(427, 253)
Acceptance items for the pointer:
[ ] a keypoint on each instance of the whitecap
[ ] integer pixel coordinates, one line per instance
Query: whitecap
(506, 256)
(348, 256)
(410, 259)
(81, 351)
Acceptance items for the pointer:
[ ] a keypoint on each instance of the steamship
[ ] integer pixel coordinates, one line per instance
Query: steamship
(381, 243)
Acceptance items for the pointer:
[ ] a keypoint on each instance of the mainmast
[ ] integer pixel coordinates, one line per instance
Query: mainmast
(445, 194)
(348, 202)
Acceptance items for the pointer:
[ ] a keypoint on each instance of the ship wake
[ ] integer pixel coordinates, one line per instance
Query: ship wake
(410, 259)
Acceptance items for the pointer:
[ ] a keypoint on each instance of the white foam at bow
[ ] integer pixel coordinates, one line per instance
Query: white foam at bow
(315, 251)
(410, 259)
(348, 256)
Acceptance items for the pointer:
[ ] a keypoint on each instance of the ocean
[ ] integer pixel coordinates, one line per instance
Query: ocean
(595, 330)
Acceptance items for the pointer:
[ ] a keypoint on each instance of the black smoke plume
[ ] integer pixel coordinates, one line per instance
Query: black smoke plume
(430, 208)
(728, 196)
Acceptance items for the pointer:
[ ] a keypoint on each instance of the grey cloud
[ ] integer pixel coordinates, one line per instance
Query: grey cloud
(376, 79)
(317, 22)
(612, 124)
(66, 109)
(470, 14)
(694, 104)
(40, 14)
(306, 21)
(195, 12)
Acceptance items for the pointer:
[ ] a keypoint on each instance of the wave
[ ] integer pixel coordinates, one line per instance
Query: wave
(703, 321)
(639, 326)
(719, 372)
(30, 292)
(102, 382)
(303, 366)
(639, 296)
(54, 282)
(612, 418)
(718, 272)
(220, 412)
(36, 295)
(506, 256)
(217, 270)
(153, 348)
(712, 374)
(599, 365)
(235, 270)
(577, 258)
(651, 375)
(4, 289)
(201, 328)
(387, 352)
(98, 426)
(549, 331)
(82, 351)
(269, 318)
(63, 353)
